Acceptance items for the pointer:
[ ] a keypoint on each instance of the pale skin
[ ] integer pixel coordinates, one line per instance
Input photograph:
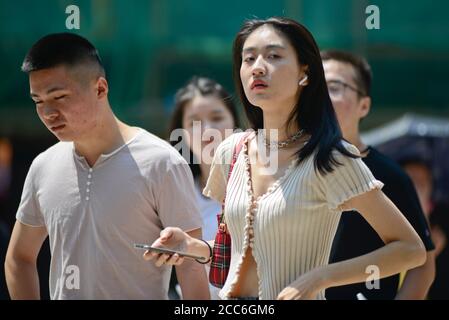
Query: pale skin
(268, 55)
(77, 111)
(350, 109)
(215, 119)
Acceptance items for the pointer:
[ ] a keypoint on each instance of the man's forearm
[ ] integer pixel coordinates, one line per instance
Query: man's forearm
(192, 275)
(22, 280)
(193, 280)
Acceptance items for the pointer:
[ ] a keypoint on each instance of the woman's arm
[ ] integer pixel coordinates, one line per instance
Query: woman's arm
(418, 281)
(403, 250)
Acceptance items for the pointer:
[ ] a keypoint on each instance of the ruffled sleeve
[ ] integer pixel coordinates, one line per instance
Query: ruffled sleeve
(350, 179)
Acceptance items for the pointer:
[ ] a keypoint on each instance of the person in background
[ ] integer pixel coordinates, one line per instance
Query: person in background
(348, 80)
(205, 104)
(6, 153)
(419, 170)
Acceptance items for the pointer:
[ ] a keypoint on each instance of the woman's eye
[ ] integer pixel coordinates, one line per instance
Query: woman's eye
(60, 97)
(273, 56)
(249, 59)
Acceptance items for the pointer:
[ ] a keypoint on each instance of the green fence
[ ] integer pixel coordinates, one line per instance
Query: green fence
(150, 48)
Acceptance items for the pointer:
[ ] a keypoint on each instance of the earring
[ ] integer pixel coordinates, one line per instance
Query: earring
(303, 81)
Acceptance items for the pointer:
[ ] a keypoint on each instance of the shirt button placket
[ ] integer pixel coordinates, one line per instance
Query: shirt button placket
(89, 182)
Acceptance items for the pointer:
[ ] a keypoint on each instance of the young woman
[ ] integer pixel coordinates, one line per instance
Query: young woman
(203, 109)
(202, 104)
(282, 224)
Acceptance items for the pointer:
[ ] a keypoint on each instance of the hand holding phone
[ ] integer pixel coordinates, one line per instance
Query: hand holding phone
(168, 251)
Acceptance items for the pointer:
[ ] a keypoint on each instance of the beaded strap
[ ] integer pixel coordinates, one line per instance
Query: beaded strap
(237, 149)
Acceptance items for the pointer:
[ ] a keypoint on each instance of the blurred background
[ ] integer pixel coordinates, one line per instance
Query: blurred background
(152, 47)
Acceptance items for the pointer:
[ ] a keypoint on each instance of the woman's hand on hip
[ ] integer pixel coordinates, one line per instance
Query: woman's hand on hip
(306, 287)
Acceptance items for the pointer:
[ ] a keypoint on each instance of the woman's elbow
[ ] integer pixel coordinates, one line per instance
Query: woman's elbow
(416, 253)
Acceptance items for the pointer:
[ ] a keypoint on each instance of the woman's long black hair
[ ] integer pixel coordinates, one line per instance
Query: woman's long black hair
(314, 111)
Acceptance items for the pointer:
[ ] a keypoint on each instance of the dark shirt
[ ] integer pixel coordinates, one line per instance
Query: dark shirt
(440, 286)
(355, 237)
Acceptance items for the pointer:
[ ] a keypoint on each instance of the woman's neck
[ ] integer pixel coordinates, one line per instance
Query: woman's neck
(277, 121)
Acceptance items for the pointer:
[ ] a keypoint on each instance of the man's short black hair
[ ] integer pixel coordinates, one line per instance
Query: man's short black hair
(61, 49)
(362, 68)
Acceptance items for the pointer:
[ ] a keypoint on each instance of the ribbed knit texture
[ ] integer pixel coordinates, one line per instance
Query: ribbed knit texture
(293, 223)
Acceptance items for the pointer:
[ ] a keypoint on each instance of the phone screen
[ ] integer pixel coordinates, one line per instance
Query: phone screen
(167, 251)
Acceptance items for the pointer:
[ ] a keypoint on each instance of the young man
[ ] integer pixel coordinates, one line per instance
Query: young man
(102, 188)
(349, 79)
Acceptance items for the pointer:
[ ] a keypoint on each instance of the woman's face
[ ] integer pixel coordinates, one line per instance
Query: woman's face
(270, 71)
(205, 119)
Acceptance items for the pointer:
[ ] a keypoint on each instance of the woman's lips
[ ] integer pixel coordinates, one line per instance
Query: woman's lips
(258, 85)
(259, 88)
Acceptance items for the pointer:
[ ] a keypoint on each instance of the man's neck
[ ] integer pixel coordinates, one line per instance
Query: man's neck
(109, 134)
(354, 138)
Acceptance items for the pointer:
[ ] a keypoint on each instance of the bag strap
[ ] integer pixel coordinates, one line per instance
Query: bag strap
(235, 154)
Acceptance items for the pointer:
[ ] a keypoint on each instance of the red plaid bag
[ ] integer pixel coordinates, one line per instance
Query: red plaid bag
(221, 253)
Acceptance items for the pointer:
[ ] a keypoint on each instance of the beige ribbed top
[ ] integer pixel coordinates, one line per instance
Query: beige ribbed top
(291, 227)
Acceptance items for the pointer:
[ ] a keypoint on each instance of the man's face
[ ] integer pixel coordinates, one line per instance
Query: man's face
(67, 107)
(349, 106)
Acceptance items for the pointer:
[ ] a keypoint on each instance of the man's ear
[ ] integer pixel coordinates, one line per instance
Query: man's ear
(102, 88)
(365, 106)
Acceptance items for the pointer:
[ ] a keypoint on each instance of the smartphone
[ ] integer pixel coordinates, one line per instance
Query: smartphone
(168, 251)
(360, 296)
